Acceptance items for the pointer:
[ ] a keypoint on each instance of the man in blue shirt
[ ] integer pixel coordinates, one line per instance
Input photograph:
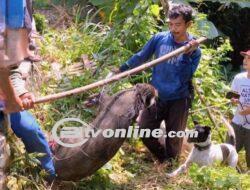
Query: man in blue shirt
(171, 79)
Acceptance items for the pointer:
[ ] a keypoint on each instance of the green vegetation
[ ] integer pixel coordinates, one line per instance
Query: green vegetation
(226, 178)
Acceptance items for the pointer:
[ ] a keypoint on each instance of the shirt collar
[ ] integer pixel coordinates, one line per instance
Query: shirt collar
(190, 37)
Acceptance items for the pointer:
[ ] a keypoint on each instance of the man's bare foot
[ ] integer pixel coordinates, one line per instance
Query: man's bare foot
(34, 58)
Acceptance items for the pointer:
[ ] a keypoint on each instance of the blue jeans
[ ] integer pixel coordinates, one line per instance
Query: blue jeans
(25, 127)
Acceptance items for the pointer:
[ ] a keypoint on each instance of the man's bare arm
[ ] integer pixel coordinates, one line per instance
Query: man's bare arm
(18, 84)
(12, 102)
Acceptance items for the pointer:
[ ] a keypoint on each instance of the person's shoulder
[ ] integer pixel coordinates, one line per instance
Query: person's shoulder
(162, 35)
(242, 75)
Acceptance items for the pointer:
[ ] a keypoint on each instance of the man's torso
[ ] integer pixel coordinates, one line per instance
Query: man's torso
(243, 88)
(172, 77)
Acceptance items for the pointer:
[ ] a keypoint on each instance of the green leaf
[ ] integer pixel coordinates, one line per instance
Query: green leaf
(155, 10)
(207, 29)
(185, 2)
(136, 12)
(243, 4)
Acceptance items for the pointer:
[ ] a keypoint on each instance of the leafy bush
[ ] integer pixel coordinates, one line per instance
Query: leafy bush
(218, 178)
(133, 22)
(41, 23)
(211, 76)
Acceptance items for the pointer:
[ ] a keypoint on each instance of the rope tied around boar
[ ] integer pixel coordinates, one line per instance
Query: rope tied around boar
(98, 151)
(129, 115)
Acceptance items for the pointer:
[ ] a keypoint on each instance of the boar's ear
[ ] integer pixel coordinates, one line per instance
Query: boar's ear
(148, 100)
(146, 93)
(139, 87)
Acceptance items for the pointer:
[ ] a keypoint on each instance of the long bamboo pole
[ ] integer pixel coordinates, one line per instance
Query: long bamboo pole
(117, 77)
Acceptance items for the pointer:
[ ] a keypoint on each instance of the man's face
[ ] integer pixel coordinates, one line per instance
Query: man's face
(246, 62)
(178, 26)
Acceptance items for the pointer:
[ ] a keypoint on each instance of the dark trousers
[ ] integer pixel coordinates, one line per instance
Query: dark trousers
(242, 140)
(175, 114)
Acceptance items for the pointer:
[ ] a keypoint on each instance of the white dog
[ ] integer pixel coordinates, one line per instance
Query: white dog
(205, 153)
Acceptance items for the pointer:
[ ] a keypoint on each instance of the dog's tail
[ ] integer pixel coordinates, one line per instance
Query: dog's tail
(231, 133)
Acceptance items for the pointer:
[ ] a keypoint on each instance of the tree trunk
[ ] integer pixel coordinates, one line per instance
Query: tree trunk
(165, 6)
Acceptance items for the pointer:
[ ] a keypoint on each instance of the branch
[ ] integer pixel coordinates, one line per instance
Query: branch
(209, 110)
(165, 6)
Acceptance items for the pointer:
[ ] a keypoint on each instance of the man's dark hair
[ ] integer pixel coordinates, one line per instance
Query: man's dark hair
(181, 10)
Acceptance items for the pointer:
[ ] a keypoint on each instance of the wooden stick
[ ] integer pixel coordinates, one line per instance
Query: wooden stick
(117, 77)
(165, 5)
